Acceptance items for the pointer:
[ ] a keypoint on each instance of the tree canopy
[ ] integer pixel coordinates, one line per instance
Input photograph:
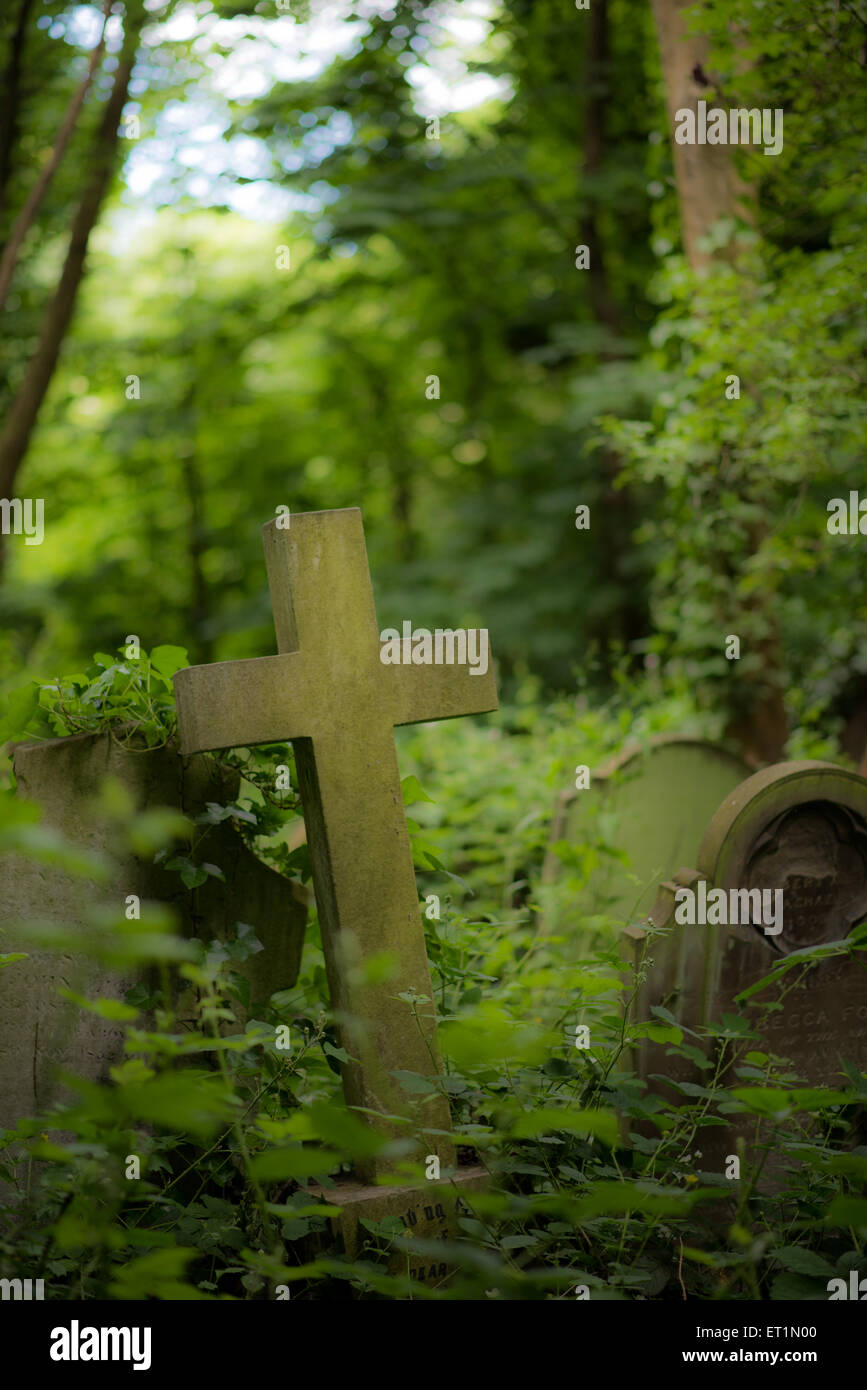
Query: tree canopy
(336, 260)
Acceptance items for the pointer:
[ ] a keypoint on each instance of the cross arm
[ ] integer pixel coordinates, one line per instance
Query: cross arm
(422, 693)
(234, 703)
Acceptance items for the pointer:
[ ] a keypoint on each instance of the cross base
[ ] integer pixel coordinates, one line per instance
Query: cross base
(429, 1212)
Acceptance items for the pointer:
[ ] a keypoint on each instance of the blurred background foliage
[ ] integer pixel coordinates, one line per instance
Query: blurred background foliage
(285, 258)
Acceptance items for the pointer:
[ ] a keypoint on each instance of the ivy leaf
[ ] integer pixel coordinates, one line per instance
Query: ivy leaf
(168, 659)
(192, 875)
(21, 706)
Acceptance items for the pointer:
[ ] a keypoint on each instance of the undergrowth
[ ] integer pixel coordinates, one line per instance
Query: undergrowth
(200, 1168)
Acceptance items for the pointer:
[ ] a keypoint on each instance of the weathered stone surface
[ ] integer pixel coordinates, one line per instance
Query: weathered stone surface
(653, 803)
(39, 1031)
(429, 1213)
(329, 693)
(800, 827)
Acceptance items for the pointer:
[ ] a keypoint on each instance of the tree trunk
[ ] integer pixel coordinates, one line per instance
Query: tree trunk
(188, 452)
(614, 516)
(28, 402)
(25, 218)
(708, 185)
(709, 188)
(11, 89)
(605, 310)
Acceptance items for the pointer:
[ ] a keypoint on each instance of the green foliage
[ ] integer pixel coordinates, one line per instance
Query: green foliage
(747, 481)
(130, 697)
(306, 387)
(744, 483)
(594, 1179)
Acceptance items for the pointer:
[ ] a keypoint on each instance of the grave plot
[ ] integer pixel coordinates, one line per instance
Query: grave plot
(797, 830)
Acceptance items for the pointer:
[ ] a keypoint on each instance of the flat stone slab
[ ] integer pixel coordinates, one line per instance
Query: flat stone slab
(429, 1212)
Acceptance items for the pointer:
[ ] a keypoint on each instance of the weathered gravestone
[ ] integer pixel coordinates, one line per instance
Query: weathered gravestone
(330, 694)
(652, 804)
(40, 1031)
(797, 829)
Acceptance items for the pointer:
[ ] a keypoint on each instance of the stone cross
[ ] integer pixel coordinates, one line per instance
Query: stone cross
(329, 693)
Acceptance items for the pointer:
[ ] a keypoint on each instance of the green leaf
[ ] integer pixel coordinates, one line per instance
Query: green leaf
(658, 1033)
(772, 1100)
(441, 868)
(413, 1083)
(21, 706)
(167, 660)
(413, 791)
(801, 1261)
(192, 875)
(549, 1119)
(848, 1211)
(609, 1198)
(668, 1017)
(12, 957)
(47, 845)
(796, 1287)
(346, 1131)
(808, 955)
(112, 1009)
(156, 1275)
(556, 1067)
(277, 1164)
(694, 1054)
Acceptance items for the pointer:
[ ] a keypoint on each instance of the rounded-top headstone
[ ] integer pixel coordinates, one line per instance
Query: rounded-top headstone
(797, 831)
(651, 803)
(801, 828)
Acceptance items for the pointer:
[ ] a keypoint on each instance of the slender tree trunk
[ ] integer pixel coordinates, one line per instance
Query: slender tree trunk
(708, 185)
(615, 512)
(605, 310)
(25, 218)
(199, 593)
(202, 649)
(709, 188)
(11, 94)
(25, 408)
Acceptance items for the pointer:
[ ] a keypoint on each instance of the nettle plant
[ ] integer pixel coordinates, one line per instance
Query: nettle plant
(187, 1174)
(600, 1186)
